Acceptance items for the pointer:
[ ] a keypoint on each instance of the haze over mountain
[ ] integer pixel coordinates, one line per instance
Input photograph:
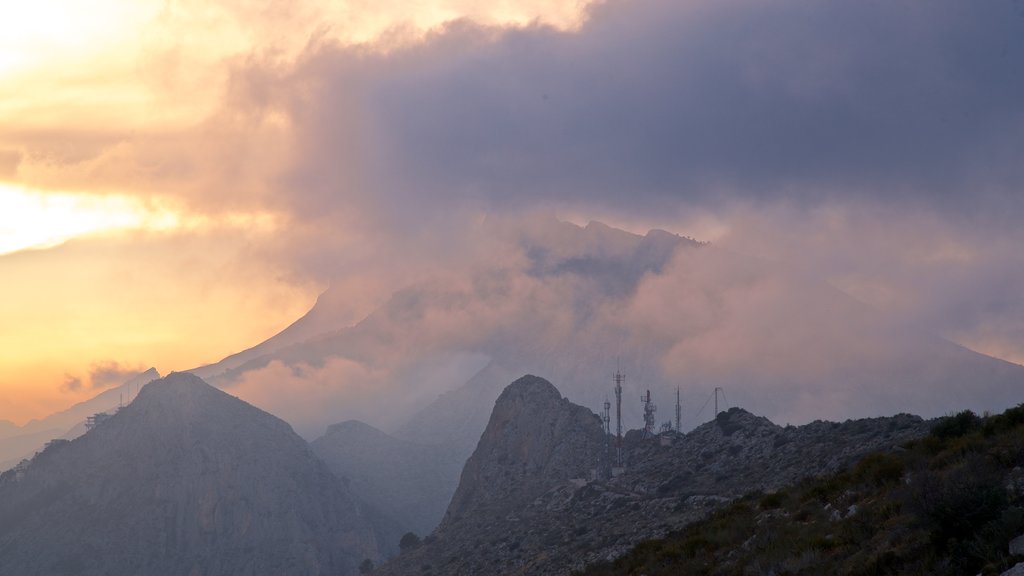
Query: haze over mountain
(184, 480)
(570, 302)
(21, 442)
(410, 482)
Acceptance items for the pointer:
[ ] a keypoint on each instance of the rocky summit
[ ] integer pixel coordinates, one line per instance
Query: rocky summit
(185, 480)
(535, 438)
(539, 495)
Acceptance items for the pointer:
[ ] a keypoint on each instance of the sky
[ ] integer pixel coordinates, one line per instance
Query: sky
(179, 179)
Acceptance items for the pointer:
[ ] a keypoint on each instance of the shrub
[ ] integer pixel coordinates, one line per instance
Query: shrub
(960, 424)
(408, 541)
(879, 469)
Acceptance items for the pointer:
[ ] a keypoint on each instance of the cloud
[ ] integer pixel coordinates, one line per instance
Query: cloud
(71, 383)
(872, 146)
(566, 302)
(111, 373)
(657, 105)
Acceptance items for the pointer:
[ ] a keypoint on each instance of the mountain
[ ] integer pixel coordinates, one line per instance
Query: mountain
(409, 482)
(456, 418)
(568, 301)
(70, 423)
(8, 428)
(538, 495)
(184, 480)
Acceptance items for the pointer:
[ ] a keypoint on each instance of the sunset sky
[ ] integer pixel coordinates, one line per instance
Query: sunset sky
(180, 179)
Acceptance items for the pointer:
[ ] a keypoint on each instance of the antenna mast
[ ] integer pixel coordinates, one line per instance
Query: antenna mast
(606, 417)
(619, 378)
(679, 412)
(649, 409)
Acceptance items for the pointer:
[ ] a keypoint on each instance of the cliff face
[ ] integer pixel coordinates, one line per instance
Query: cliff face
(185, 480)
(527, 503)
(534, 439)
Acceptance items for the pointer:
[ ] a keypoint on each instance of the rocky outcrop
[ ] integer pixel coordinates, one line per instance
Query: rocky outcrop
(530, 503)
(409, 482)
(185, 480)
(534, 439)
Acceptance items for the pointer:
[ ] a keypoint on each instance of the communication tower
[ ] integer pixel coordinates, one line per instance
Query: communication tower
(619, 378)
(606, 416)
(679, 412)
(649, 410)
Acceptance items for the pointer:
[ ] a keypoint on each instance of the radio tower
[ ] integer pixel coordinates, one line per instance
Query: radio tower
(606, 417)
(649, 409)
(679, 412)
(619, 379)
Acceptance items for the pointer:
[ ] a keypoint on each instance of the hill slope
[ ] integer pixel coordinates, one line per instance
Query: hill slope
(949, 504)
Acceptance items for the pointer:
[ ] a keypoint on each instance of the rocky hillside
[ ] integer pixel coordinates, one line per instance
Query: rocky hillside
(951, 503)
(536, 496)
(185, 480)
(409, 482)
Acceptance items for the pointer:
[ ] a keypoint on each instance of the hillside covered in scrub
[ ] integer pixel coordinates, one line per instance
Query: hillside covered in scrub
(948, 503)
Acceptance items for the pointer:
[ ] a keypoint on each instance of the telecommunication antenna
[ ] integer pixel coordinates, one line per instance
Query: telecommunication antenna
(606, 416)
(649, 410)
(619, 378)
(679, 412)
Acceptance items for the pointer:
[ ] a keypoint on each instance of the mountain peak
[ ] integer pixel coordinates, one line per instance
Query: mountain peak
(530, 389)
(535, 432)
(176, 383)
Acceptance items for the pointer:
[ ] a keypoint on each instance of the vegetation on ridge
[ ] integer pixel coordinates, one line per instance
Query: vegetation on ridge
(948, 503)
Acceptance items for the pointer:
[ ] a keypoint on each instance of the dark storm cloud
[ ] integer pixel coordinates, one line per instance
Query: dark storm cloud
(655, 102)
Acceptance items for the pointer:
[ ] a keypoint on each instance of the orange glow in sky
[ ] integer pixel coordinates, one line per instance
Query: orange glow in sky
(98, 262)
